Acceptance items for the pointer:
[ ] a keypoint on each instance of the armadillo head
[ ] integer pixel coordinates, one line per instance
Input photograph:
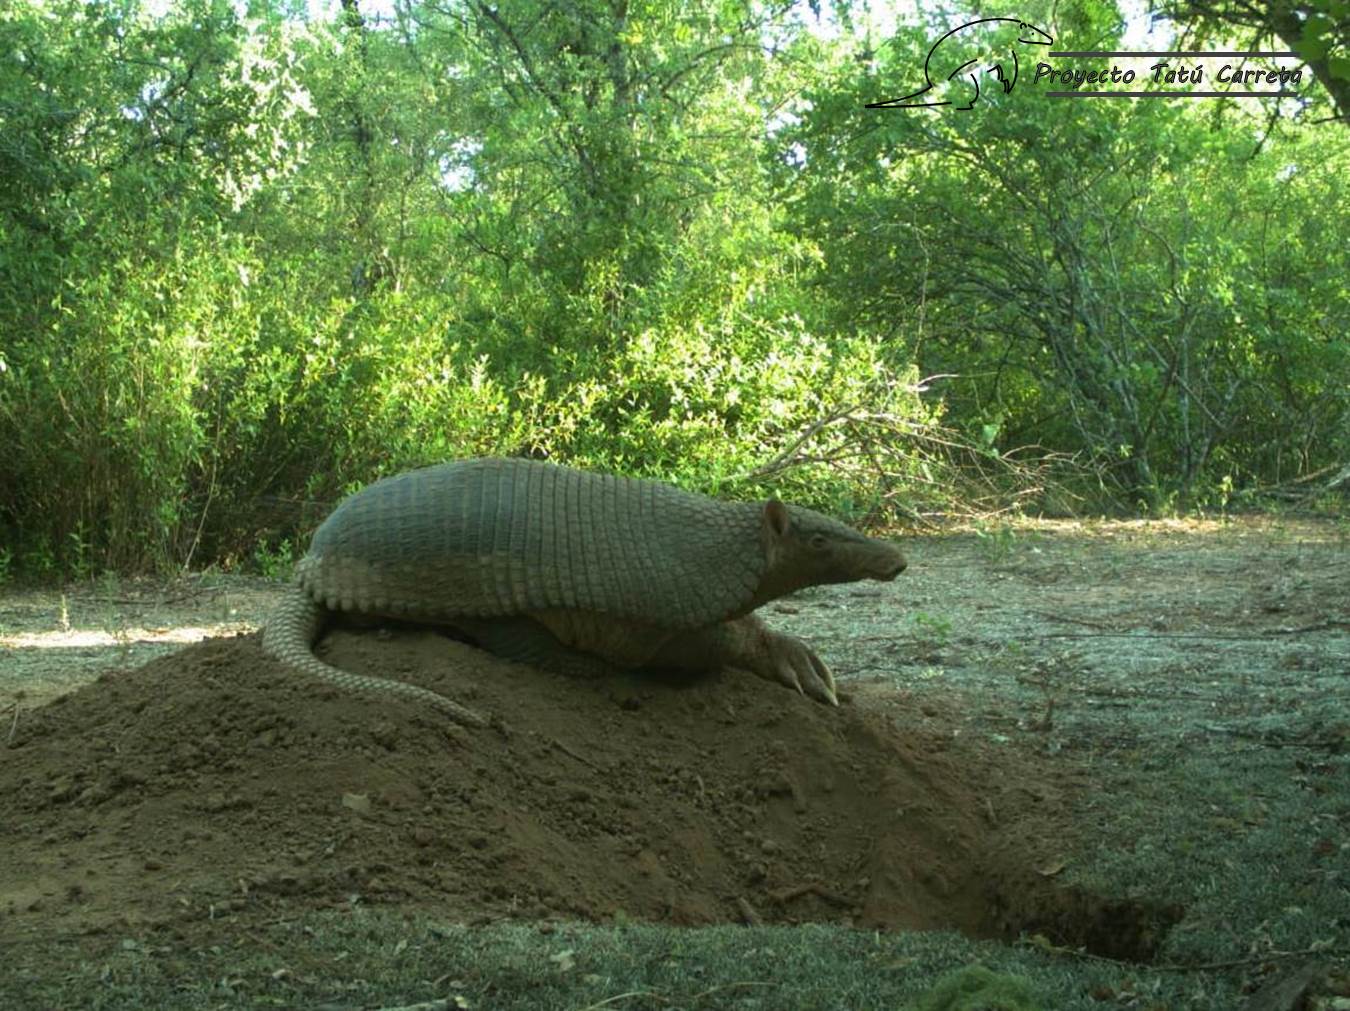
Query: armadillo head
(804, 548)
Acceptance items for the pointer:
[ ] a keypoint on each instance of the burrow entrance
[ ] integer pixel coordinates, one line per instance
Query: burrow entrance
(213, 783)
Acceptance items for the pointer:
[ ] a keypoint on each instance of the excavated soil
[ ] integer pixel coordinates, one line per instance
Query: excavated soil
(213, 784)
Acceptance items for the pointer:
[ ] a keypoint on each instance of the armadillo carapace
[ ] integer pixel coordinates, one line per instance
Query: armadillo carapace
(571, 570)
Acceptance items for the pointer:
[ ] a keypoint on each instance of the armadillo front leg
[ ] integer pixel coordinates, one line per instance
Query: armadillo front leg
(749, 643)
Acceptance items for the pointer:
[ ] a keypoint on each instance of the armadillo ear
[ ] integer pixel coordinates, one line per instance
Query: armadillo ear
(776, 517)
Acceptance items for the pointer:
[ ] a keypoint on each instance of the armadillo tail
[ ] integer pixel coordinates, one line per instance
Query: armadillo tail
(289, 637)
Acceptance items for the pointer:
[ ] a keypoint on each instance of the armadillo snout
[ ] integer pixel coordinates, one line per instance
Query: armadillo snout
(860, 557)
(882, 561)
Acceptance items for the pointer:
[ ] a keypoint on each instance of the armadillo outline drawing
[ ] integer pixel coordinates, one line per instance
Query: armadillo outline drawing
(1028, 34)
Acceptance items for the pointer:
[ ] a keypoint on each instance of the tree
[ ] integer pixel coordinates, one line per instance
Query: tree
(1107, 278)
(1318, 30)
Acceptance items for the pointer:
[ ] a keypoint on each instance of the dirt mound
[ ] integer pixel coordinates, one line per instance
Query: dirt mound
(213, 783)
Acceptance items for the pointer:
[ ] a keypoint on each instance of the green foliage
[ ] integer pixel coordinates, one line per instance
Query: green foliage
(1111, 279)
(934, 630)
(1314, 29)
(274, 563)
(249, 261)
(707, 405)
(996, 540)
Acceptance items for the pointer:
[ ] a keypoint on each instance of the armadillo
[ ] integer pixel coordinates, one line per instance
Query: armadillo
(568, 569)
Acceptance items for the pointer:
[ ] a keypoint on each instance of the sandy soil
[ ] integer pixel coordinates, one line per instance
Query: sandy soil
(146, 782)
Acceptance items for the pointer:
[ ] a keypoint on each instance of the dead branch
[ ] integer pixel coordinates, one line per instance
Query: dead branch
(915, 462)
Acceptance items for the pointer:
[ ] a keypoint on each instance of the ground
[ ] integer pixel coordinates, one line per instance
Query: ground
(1044, 730)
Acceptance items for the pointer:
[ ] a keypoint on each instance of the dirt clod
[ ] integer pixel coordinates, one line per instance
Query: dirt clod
(213, 782)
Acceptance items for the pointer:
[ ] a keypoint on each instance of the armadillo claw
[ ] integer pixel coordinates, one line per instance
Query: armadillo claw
(794, 664)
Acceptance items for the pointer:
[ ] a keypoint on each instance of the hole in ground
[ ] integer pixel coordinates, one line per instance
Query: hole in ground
(1126, 929)
(215, 780)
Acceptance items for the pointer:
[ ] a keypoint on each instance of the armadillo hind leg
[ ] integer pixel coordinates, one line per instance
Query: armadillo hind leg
(524, 640)
(289, 637)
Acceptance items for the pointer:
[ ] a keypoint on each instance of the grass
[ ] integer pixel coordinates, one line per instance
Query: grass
(1251, 840)
(366, 958)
